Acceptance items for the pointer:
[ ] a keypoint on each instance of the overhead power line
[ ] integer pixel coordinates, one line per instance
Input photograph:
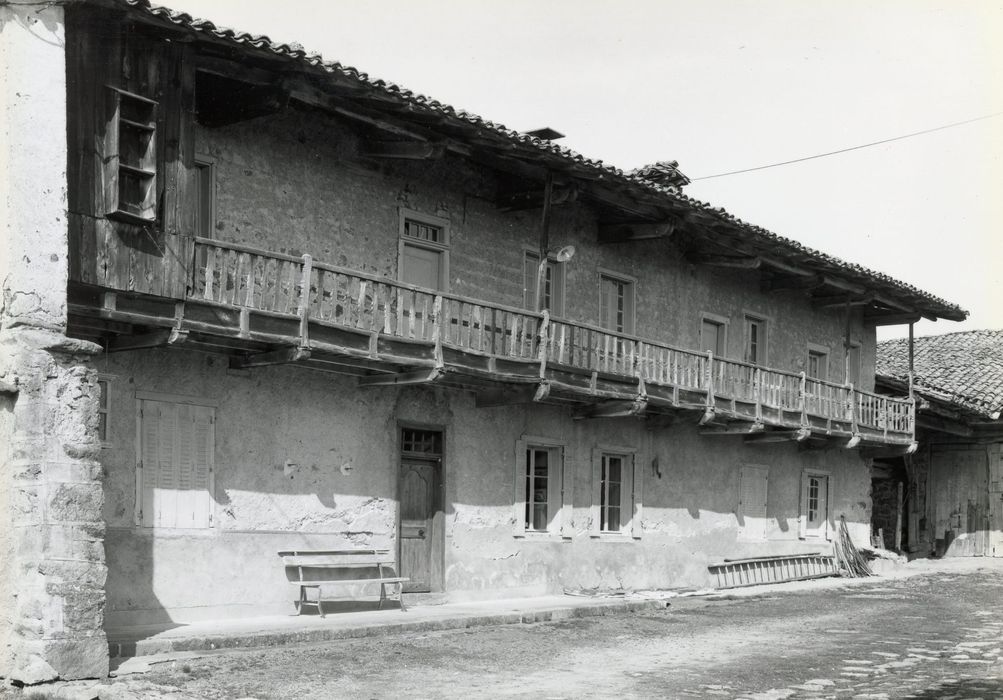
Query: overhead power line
(852, 148)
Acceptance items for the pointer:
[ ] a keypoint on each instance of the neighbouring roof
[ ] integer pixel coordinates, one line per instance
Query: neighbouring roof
(964, 369)
(665, 187)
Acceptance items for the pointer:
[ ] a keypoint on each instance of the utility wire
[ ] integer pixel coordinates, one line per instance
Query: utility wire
(846, 150)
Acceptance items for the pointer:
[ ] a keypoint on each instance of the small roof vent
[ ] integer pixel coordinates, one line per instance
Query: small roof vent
(546, 133)
(665, 173)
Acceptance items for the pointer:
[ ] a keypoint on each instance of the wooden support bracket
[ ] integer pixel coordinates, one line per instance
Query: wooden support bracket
(614, 408)
(166, 336)
(281, 356)
(734, 429)
(423, 376)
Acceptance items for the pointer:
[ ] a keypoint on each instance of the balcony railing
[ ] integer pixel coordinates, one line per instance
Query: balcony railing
(276, 284)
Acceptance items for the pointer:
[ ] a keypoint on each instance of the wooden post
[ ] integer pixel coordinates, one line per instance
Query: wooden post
(898, 520)
(304, 301)
(548, 190)
(543, 342)
(437, 330)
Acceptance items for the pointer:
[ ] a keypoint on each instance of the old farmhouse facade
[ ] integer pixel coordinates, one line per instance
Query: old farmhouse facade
(255, 301)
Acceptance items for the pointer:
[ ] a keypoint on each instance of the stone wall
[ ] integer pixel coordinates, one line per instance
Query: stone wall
(269, 417)
(52, 571)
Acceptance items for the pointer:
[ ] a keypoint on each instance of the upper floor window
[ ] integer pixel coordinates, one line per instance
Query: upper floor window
(204, 188)
(423, 255)
(714, 334)
(130, 157)
(755, 340)
(616, 304)
(818, 362)
(552, 284)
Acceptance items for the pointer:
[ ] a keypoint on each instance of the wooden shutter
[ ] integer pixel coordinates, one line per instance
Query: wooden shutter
(595, 518)
(803, 507)
(177, 446)
(519, 491)
(637, 490)
(567, 491)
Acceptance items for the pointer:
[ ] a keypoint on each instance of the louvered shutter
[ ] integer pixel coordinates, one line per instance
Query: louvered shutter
(519, 489)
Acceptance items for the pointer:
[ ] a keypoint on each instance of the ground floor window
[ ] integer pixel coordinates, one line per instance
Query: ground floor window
(814, 515)
(174, 474)
(541, 488)
(616, 489)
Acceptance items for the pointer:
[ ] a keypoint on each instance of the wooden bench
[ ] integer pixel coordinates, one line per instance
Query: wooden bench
(313, 569)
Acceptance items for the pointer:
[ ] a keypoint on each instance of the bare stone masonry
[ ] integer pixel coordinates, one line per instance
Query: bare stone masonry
(52, 563)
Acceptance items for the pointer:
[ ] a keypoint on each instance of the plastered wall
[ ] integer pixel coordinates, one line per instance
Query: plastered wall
(319, 422)
(295, 183)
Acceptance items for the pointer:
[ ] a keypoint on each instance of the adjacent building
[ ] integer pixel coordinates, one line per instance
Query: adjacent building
(256, 301)
(952, 487)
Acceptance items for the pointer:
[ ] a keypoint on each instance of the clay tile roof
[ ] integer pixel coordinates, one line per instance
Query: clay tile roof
(639, 182)
(965, 368)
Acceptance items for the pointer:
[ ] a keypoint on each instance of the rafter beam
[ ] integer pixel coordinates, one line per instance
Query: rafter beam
(156, 339)
(792, 282)
(891, 318)
(742, 262)
(506, 396)
(423, 376)
(840, 300)
(944, 425)
(518, 200)
(281, 356)
(627, 232)
(404, 150)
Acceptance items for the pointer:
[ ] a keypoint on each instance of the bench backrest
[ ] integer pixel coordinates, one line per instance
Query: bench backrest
(334, 559)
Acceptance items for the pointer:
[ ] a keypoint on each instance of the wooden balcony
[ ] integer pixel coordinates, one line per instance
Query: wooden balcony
(268, 308)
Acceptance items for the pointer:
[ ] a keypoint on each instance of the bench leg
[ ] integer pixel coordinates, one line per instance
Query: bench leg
(383, 595)
(400, 596)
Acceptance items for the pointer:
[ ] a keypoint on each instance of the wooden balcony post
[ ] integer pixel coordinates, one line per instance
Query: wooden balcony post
(884, 414)
(304, 301)
(854, 409)
(803, 399)
(757, 391)
(437, 330)
(542, 340)
(708, 415)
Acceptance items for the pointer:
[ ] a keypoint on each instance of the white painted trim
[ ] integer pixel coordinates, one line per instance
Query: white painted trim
(176, 398)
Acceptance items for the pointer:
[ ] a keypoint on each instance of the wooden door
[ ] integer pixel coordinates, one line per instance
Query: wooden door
(421, 525)
(995, 500)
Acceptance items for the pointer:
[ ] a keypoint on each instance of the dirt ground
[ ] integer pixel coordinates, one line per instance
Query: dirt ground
(936, 635)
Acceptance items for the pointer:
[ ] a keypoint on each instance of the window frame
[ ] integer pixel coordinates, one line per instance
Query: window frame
(722, 322)
(629, 314)
(803, 532)
(817, 350)
(763, 343)
(202, 163)
(104, 408)
(176, 399)
(631, 493)
(560, 489)
(146, 169)
(558, 282)
(404, 215)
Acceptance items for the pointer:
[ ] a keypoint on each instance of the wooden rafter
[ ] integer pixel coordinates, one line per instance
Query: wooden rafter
(627, 232)
(155, 339)
(614, 408)
(733, 429)
(779, 436)
(404, 150)
(742, 262)
(781, 283)
(840, 300)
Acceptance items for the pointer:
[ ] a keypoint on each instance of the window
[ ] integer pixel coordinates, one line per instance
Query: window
(818, 362)
(616, 304)
(543, 489)
(553, 284)
(616, 489)
(755, 340)
(204, 188)
(130, 157)
(814, 516)
(853, 364)
(752, 502)
(104, 404)
(714, 334)
(175, 466)
(423, 256)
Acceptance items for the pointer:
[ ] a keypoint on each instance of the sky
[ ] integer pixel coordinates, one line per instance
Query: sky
(722, 86)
